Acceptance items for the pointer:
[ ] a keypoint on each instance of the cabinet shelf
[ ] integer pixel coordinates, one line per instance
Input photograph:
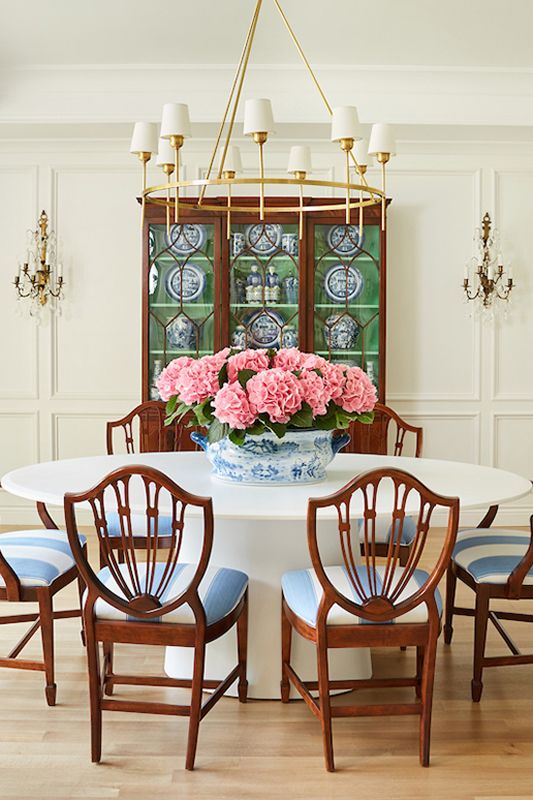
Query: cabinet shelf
(180, 352)
(341, 306)
(346, 352)
(182, 305)
(267, 306)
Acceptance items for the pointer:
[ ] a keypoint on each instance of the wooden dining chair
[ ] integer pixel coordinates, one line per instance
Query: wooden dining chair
(34, 566)
(153, 597)
(362, 604)
(387, 435)
(143, 430)
(496, 564)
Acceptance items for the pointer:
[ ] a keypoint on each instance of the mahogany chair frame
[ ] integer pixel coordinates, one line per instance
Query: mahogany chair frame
(142, 599)
(154, 435)
(43, 619)
(513, 589)
(374, 439)
(378, 607)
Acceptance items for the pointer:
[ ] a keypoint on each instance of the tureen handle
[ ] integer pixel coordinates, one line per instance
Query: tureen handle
(338, 442)
(201, 439)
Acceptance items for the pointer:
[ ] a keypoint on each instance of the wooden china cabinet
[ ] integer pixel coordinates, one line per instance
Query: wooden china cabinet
(263, 287)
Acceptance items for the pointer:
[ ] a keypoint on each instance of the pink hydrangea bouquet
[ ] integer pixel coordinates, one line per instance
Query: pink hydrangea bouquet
(234, 393)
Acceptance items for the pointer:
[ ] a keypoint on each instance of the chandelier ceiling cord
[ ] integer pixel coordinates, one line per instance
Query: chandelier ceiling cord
(259, 124)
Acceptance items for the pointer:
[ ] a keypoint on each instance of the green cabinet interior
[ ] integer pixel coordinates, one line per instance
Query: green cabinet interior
(213, 311)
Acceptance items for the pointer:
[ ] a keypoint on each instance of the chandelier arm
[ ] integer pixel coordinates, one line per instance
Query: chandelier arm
(237, 79)
(244, 59)
(312, 74)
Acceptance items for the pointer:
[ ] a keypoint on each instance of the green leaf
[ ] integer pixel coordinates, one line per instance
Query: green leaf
(303, 418)
(326, 422)
(245, 375)
(223, 375)
(217, 431)
(342, 419)
(171, 404)
(237, 436)
(366, 419)
(204, 412)
(278, 428)
(256, 429)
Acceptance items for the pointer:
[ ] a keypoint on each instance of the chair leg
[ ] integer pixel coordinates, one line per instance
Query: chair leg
(196, 703)
(419, 668)
(47, 636)
(242, 650)
(108, 649)
(451, 585)
(95, 693)
(426, 692)
(325, 702)
(81, 591)
(480, 639)
(286, 642)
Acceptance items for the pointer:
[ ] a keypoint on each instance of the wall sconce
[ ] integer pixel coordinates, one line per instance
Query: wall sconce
(485, 280)
(40, 277)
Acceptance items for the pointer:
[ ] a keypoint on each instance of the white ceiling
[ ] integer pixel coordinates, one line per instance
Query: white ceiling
(445, 33)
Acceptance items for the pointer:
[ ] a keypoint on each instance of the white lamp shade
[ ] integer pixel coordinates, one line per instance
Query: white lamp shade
(381, 140)
(175, 120)
(258, 117)
(299, 158)
(144, 139)
(345, 124)
(165, 153)
(232, 162)
(360, 152)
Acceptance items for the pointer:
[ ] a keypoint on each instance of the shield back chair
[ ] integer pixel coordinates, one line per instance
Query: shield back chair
(389, 434)
(143, 430)
(356, 603)
(153, 597)
(34, 566)
(496, 564)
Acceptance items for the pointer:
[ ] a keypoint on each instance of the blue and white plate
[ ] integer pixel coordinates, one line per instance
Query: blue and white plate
(185, 284)
(264, 328)
(341, 332)
(343, 284)
(151, 242)
(345, 239)
(181, 334)
(186, 239)
(264, 238)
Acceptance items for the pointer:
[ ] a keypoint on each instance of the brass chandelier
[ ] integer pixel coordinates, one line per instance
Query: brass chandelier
(259, 124)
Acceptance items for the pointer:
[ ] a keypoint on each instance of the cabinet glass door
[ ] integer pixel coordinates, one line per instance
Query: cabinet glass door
(181, 292)
(346, 295)
(264, 285)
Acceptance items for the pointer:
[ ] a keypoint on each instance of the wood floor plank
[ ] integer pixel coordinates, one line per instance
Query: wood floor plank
(266, 749)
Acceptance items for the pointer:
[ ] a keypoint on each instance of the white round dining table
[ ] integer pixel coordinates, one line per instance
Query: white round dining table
(261, 530)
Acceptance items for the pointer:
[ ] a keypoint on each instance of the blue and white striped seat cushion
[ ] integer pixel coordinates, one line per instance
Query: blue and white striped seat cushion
(303, 592)
(220, 591)
(138, 524)
(384, 529)
(490, 555)
(37, 557)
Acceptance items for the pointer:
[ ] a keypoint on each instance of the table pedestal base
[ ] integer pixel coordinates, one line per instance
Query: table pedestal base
(264, 550)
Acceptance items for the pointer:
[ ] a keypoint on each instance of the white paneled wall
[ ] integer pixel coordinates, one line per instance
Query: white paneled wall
(470, 386)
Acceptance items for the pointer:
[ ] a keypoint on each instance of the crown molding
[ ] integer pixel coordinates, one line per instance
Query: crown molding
(121, 93)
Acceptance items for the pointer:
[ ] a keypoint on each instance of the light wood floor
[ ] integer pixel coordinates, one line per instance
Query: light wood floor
(266, 749)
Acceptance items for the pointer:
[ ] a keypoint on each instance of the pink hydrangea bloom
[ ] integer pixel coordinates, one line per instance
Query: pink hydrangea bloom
(275, 392)
(217, 361)
(247, 359)
(231, 405)
(314, 392)
(312, 361)
(289, 358)
(359, 393)
(196, 382)
(166, 383)
(334, 378)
